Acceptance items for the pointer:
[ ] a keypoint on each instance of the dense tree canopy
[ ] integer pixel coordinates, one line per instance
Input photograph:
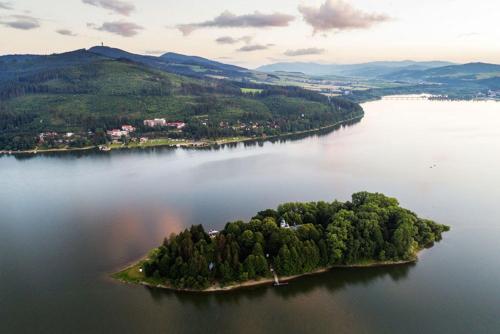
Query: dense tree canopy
(369, 228)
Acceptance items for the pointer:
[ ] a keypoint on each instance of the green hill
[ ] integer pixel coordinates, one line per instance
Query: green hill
(470, 73)
(87, 94)
(467, 81)
(192, 66)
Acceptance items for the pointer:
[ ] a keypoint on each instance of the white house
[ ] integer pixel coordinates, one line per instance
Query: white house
(284, 224)
(213, 233)
(155, 122)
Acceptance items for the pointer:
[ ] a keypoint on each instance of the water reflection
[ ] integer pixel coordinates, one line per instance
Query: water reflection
(332, 282)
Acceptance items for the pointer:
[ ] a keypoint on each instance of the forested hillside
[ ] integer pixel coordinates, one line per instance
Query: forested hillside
(86, 94)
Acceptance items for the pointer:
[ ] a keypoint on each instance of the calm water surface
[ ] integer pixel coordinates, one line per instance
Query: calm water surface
(67, 221)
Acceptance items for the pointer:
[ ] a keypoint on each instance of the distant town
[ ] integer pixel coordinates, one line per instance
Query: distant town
(122, 135)
(152, 132)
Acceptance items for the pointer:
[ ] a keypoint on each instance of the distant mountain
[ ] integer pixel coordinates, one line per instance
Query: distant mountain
(465, 69)
(298, 67)
(472, 73)
(176, 58)
(177, 63)
(466, 81)
(366, 70)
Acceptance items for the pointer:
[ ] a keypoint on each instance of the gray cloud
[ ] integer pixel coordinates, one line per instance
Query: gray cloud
(232, 40)
(65, 32)
(230, 20)
(339, 15)
(254, 47)
(23, 22)
(125, 29)
(117, 6)
(5, 5)
(304, 52)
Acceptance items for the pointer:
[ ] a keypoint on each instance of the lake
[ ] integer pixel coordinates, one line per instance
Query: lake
(67, 221)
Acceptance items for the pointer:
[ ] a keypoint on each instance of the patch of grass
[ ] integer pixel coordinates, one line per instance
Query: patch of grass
(130, 274)
(251, 91)
(133, 274)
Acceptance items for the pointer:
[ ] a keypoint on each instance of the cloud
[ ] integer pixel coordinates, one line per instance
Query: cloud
(5, 5)
(232, 40)
(339, 15)
(65, 32)
(230, 20)
(23, 22)
(125, 29)
(254, 47)
(117, 6)
(304, 52)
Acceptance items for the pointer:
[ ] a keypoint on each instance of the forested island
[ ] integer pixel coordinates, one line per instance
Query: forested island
(293, 240)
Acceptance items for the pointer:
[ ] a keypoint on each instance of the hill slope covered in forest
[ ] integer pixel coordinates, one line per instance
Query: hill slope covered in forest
(87, 93)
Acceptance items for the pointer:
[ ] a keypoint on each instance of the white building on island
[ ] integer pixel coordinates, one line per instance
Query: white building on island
(284, 224)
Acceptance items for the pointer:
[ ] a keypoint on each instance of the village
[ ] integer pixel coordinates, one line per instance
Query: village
(152, 132)
(125, 134)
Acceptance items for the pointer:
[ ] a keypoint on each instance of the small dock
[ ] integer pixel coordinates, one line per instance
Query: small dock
(276, 279)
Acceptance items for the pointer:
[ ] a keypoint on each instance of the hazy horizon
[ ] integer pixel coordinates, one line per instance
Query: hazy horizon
(296, 61)
(251, 34)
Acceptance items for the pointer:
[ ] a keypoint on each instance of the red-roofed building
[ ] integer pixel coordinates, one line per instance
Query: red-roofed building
(178, 125)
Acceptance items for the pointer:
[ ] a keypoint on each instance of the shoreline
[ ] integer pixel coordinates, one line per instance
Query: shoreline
(189, 145)
(117, 276)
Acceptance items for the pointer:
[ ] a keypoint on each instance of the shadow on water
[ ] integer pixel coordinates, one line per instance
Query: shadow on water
(332, 281)
(70, 155)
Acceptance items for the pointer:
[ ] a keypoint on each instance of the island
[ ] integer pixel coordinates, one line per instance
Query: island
(296, 239)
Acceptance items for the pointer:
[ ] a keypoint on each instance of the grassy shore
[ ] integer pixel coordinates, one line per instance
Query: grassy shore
(133, 274)
(167, 142)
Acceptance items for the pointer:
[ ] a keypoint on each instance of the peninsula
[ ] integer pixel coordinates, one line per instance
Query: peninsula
(296, 239)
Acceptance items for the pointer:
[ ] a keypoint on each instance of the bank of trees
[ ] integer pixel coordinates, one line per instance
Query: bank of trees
(369, 228)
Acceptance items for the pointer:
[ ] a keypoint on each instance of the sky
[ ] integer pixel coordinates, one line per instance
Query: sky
(258, 32)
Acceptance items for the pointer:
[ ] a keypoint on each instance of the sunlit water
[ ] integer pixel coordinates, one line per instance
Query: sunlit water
(67, 221)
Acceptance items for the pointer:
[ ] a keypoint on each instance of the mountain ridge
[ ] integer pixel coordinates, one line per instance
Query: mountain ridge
(176, 63)
(369, 69)
(193, 66)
